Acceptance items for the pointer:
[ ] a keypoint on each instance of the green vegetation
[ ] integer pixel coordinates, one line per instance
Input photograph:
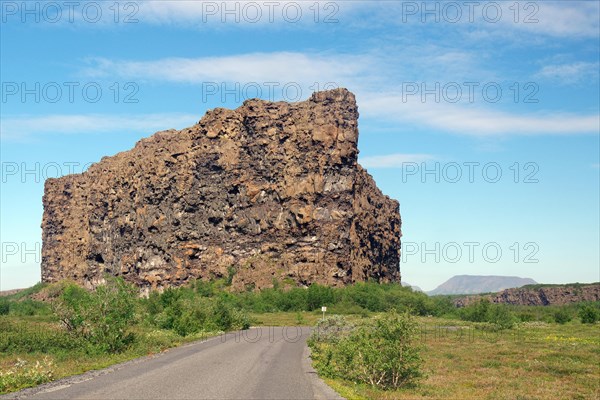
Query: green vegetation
(548, 285)
(78, 330)
(74, 330)
(484, 311)
(467, 360)
(101, 317)
(381, 352)
(505, 316)
(561, 316)
(360, 298)
(588, 314)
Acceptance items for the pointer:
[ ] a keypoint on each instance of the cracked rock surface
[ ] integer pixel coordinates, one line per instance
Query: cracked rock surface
(268, 192)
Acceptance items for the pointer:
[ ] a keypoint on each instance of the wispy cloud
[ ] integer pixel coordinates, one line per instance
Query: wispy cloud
(556, 19)
(25, 127)
(367, 75)
(571, 73)
(396, 160)
(480, 122)
(281, 67)
(246, 13)
(564, 18)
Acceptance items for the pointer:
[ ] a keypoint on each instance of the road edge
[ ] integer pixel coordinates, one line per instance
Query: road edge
(321, 390)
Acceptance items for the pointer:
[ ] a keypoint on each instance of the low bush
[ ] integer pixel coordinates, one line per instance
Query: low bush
(484, 311)
(562, 316)
(381, 352)
(101, 317)
(589, 314)
(187, 312)
(4, 306)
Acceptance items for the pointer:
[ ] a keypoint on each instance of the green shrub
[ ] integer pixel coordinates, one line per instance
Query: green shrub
(187, 313)
(318, 296)
(484, 311)
(442, 306)
(500, 315)
(589, 314)
(4, 306)
(346, 307)
(231, 271)
(355, 299)
(188, 323)
(205, 289)
(101, 317)
(561, 316)
(300, 319)
(382, 353)
(477, 312)
(366, 295)
(526, 316)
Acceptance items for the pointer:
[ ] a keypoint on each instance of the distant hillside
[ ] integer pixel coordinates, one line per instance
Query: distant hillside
(475, 284)
(9, 292)
(539, 295)
(415, 288)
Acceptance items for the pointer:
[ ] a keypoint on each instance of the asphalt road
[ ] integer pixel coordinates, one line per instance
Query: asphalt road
(260, 363)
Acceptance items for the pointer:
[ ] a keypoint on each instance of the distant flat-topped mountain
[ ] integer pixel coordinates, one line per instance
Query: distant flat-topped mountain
(474, 284)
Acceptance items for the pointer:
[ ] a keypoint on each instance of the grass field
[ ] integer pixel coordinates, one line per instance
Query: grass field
(531, 361)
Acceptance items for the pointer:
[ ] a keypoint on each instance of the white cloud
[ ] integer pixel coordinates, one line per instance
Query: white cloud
(366, 74)
(480, 122)
(396, 160)
(245, 13)
(23, 127)
(281, 67)
(564, 18)
(548, 18)
(570, 73)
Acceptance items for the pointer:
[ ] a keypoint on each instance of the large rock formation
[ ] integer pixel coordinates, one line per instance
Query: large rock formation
(266, 192)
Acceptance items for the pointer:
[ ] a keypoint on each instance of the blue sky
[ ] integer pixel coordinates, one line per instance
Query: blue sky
(481, 118)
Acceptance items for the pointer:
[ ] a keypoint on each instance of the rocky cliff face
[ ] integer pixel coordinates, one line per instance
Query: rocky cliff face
(266, 192)
(539, 296)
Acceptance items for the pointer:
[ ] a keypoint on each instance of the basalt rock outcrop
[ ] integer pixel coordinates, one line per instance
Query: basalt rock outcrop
(542, 295)
(269, 192)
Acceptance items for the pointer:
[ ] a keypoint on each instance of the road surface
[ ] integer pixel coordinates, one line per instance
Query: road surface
(260, 363)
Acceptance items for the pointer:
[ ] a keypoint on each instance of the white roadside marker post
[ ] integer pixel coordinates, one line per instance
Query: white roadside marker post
(323, 309)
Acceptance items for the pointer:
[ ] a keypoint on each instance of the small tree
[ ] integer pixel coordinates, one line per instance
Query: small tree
(319, 296)
(101, 317)
(562, 316)
(589, 314)
(382, 353)
(500, 315)
(477, 312)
